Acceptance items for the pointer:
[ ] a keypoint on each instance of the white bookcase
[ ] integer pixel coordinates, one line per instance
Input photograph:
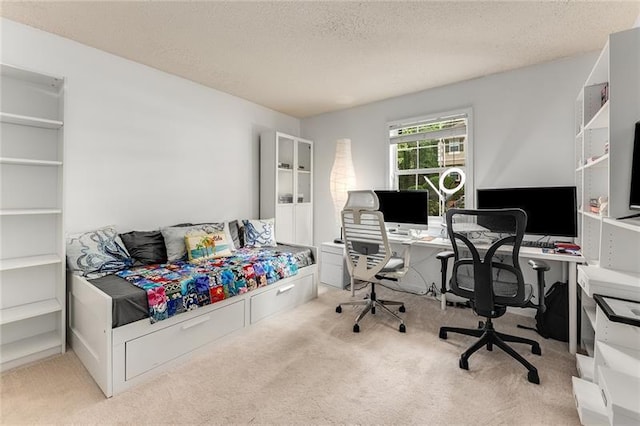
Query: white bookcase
(286, 186)
(607, 109)
(32, 257)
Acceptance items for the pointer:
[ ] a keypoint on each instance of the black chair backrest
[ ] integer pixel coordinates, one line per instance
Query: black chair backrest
(481, 274)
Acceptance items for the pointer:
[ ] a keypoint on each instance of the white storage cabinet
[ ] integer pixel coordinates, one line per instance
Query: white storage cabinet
(333, 270)
(606, 391)
(286, 186)
(32, 257)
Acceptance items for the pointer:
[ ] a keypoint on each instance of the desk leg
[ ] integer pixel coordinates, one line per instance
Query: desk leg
(573, 308)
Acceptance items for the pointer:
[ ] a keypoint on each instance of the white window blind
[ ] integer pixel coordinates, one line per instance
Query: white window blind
(439, 128)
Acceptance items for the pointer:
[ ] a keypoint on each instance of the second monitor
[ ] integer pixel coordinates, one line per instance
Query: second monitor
(404, 210)
(551, 210)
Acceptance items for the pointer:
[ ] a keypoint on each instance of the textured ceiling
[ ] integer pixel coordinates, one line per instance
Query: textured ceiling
(308, 57)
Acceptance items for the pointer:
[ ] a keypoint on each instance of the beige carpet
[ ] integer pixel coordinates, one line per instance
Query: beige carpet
(307, 367)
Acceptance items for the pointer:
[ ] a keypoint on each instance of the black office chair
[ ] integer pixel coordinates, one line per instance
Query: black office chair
(491, 281)
(369, 255)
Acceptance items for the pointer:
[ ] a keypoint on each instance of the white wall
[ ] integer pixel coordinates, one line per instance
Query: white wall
(523, 124)
(145, 148)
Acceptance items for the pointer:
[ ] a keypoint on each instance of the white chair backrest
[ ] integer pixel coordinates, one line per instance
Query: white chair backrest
(365, 235)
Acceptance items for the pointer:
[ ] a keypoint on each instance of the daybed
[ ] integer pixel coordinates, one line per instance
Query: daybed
(120, 346)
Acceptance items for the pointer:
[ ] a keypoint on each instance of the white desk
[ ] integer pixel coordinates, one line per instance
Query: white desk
(570, 261)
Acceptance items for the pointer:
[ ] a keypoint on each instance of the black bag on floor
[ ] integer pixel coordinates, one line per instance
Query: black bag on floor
(554, 321)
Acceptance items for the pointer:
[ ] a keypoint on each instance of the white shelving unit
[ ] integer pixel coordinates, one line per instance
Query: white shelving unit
(32, 279)
(607, 109)
(286, 186)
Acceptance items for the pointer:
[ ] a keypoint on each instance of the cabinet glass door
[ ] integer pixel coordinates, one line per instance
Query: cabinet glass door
(285, 170)
(303, 172)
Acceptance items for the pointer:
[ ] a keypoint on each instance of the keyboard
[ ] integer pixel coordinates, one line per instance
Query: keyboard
(538, 244)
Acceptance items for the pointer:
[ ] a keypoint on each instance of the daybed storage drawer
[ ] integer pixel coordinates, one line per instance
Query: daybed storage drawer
(146, 352)
(280, 298)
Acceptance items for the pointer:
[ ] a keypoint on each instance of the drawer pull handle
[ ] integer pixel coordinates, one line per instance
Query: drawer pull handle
(287, 288)
(196, 322)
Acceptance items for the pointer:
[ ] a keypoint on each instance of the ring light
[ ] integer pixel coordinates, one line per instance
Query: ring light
(446, 174)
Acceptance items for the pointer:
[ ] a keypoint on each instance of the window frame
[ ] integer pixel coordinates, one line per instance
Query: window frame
(394, 174)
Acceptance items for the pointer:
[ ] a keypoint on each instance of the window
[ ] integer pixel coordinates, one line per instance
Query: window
(423, 149)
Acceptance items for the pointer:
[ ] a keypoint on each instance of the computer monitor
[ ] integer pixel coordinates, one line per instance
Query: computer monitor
(634, 192)
(404, 210)
(551, 210)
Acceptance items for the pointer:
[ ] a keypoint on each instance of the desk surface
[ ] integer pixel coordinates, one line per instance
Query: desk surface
(445, 244)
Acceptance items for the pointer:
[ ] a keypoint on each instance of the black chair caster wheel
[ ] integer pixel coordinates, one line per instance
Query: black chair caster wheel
(490, 346)
(402, 309)
(442, 334)
(373, 310)
(535, 349)
(532, 376)
(356, 328)
(464, 364)
(402, 328)
(480, 324)
(339, 309)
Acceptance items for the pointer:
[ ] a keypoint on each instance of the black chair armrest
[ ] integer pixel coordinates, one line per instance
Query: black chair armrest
(538, 265)
(445, 255)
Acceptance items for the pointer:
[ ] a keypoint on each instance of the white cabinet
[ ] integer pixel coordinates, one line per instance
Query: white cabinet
(607, 390)
(333, 270)
(609, 282)
(607, 109)
(286, 186)
(32, 257)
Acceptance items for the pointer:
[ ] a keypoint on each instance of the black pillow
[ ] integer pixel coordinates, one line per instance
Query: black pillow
(234, 230)
(146, 247)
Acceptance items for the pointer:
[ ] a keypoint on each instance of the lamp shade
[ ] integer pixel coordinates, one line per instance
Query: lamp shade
(343, 175)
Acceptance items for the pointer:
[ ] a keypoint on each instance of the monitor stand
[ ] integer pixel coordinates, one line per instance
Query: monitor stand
(398, 231)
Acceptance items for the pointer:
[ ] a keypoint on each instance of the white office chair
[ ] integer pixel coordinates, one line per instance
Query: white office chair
(369, 256)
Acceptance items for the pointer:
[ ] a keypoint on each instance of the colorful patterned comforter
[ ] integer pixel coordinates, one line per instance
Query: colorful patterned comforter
(182, 286)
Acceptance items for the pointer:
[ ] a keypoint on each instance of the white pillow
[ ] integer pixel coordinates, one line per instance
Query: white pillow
(259, 233)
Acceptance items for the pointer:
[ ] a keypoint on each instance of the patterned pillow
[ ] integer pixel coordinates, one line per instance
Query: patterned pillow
(222, 226)
(259, 233)
(201, 245)
(97, 253)
(174, 238)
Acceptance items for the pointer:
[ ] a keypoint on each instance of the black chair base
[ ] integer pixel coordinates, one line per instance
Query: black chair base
(488, 337)
(370, 304)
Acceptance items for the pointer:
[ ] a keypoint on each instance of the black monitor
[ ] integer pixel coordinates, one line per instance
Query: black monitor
(634, 193)
(404, 210)
(551, 210)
